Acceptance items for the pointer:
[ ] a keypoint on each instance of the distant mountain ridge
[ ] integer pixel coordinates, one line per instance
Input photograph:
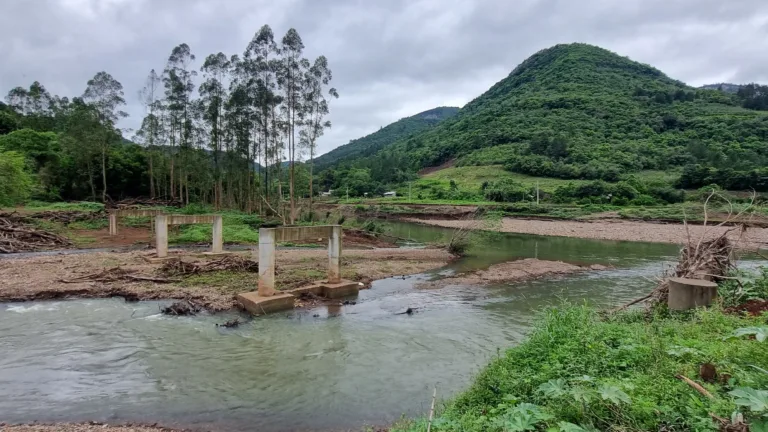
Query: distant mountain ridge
(726, 87)
(387, 135)
(578, 111)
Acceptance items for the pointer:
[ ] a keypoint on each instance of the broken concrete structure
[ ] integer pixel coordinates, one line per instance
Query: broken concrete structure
(161, 230)
(115, 215)
(333, 287)
(690, 293)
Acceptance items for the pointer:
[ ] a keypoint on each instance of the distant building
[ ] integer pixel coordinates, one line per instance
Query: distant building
(326, 193)
(390, 194)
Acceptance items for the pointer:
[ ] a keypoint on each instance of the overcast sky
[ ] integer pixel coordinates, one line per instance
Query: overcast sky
(390, 58)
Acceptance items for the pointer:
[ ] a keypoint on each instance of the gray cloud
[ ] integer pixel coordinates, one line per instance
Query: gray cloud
(390, 58)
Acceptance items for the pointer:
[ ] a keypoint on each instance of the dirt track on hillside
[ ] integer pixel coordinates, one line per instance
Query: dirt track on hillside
(751, 239)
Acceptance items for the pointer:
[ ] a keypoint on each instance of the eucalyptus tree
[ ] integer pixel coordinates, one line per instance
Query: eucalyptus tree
(261, 59)
(105, 95)
(177, 78)
(149, 96)
(212, 91)
(316, 80)
(290, 78)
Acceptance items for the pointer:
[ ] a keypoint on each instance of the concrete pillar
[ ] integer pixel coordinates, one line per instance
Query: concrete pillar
(334, 254)
(690, 293)
(218, 235)
(161, 236)
(113, 223)
(266, 262)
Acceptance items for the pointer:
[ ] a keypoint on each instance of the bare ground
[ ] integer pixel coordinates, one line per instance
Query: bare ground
(753, 238)
(40, 278)
(512, 271)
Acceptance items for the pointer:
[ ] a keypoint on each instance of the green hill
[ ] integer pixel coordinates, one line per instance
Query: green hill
(581, 112)
(370, 144)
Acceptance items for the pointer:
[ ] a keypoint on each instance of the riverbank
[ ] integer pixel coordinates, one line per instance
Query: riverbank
(65, 276)
(82, 427)
(607, 229)
(512, 271)
(579, 371)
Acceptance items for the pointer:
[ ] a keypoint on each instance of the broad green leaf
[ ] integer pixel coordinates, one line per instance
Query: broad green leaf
(613, 394)
(570, 427)
(582, 394)
(554, 388)
(755, 400)
(759, 426)
(760, 333)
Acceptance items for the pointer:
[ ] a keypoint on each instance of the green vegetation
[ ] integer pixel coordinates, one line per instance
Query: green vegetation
(581, 112)
(578, 371)
(232, 138)
(387, 135)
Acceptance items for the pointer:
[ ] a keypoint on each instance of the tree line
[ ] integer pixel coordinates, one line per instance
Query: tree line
(229, 131)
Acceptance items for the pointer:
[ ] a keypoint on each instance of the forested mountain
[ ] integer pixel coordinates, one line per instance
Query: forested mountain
(385, 136)
(582, 112)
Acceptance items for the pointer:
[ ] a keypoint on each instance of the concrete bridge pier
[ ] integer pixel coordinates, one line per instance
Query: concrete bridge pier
(113, 223)
(161, 236)
(217, 246)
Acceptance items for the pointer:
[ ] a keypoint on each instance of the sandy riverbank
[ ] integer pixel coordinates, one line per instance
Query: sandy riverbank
(42, 278)
(512, 271)
(752, 238)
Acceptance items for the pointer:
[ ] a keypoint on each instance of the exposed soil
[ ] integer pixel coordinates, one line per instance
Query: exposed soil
(512, 271)
(433, 169)
(752, 307)
(61, 277)
(82, 427)
(751, 239)
(126, 236)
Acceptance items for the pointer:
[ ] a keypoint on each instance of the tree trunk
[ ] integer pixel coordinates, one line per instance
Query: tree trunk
(151, 177)
(104, 173)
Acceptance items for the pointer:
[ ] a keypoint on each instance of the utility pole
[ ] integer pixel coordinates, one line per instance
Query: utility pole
(347, 193)
(537, 192)
(409, 190)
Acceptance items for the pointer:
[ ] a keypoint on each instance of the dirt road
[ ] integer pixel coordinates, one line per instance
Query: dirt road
(752, 238)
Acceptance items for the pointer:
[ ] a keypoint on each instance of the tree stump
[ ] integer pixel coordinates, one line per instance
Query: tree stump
(687, 294)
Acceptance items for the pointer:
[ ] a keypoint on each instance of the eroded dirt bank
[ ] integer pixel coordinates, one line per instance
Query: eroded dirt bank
(752, 238)
(44, 278)
(512, 271)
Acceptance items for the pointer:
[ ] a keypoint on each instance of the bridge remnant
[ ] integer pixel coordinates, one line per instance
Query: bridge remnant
(161, 230)
(267, 299)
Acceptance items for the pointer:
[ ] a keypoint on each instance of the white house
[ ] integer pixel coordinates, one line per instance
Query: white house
(390, 194)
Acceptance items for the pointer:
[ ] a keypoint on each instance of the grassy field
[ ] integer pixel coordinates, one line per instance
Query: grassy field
(579, 371)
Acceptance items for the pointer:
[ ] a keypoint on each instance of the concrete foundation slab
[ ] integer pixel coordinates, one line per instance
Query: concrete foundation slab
(258, 305)
(344, 288)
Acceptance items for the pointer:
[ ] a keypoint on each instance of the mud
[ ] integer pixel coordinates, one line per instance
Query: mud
(751, 239)
(512, 271)
(42, 278)
(752, 307)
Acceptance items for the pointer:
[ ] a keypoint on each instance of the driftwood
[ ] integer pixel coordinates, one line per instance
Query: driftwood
(231, 323)
(179, 267)
(696, 386)
(182, 308)
(145, 202)
(18, 235)
(116, 274)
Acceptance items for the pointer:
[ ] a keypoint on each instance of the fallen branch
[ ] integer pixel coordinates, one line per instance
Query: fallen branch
(432, 410)
(116, 274)
(696, 386)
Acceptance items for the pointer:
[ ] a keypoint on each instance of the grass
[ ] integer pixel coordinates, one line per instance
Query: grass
(578, 371)
(201, 233)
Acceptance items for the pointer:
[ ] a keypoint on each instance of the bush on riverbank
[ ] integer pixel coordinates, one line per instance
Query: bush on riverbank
(578, 371)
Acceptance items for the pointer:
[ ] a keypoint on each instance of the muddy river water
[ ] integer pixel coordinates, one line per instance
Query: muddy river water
(332, 368)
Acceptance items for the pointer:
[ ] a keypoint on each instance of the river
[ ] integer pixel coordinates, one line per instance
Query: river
(331, 368)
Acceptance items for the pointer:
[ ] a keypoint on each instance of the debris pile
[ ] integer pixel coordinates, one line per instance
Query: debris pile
(116, 274)
(145, 202)
(178, 267)
(18, 235)
(69, 216)
(182, 308)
